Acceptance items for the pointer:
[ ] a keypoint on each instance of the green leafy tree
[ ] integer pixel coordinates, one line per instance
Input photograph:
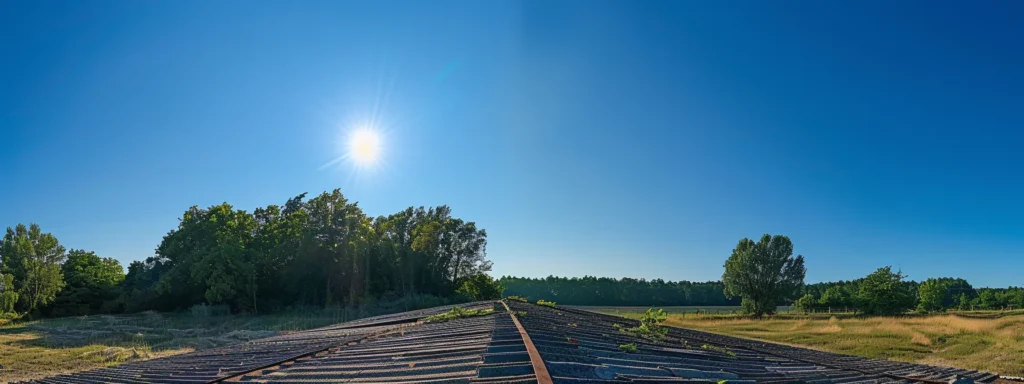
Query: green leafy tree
(930, 295)
(33, 258)
(806, 303)
(480, 287)
(764, 273)
(8, 296)
(835, 297)
(987, 299)
(963, 303)
(884, 292)
(91, 285)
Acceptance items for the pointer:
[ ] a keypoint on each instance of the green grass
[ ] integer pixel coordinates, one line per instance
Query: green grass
(989, 341)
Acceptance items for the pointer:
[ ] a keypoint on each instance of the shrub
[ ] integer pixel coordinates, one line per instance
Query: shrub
(203, 310)
(718, 349)
(650, 326)
(457, 313)
(806, 303)
(628, 348)
(546, 303)
(516, 298)
(480, 287)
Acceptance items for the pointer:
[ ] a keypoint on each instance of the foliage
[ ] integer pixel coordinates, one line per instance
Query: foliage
(546, 303)
(883, 292)
(628, 348)
(323, 251)
(8, 296)
(480, 287)
(203, 310)
(34, 259)
(91, 285)
(806, 303)
(650, 326)
(765, 273)
(718, 349)
(516, 298)
(457, 313)
(836, 296)
(589, 290)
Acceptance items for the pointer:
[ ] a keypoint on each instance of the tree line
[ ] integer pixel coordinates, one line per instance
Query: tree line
(321, 251)
(888, 292)
(589, 290)
(761, 275)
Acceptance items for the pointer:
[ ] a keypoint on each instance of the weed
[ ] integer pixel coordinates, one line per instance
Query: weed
(546, 303)
(516, 298)
(628, 348)
(520, 313)
(718, 349)
(457, 313)
(650, 326)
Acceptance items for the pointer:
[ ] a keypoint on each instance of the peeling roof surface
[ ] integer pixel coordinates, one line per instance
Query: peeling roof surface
(571, 346)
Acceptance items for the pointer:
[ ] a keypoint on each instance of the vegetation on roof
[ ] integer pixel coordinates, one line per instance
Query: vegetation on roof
(457, 313)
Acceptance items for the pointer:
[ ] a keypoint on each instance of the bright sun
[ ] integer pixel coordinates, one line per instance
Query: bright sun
(364, 146)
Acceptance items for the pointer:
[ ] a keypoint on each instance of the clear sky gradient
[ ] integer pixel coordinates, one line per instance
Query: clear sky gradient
(638, 139)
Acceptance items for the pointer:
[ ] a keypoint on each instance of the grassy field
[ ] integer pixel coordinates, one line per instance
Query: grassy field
(991, 341)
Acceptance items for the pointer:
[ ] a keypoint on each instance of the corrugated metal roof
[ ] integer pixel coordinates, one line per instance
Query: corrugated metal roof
(580, 346)
(573, 346)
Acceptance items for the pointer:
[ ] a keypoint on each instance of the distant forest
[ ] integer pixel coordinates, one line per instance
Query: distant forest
(324, 251)
(885, 288)
(591, 290)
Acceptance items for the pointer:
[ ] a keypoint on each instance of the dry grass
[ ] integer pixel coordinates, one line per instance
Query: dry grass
(983, 342)
(42, 348)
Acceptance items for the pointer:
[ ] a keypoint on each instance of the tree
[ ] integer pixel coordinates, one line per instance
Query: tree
(805, 303)
(480, 287)
(987, 299)
(33, 258)
(884, 292)
(8, 296)
(963, 303)
(835, 297)
(91, 285)
(930, 295)
(764, 273)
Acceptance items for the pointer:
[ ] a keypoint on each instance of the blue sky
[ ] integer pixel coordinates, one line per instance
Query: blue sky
(588, 138)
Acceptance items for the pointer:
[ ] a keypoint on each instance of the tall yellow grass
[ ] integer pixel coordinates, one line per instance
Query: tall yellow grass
(989, 344)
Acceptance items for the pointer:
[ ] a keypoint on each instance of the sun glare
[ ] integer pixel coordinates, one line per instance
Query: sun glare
(364, 146)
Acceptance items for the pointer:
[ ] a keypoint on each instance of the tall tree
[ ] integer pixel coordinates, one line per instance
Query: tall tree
(91, 284)
(34, 259)
(884, 292)
(764, 273)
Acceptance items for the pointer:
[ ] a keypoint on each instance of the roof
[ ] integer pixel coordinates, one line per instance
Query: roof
(543, 344)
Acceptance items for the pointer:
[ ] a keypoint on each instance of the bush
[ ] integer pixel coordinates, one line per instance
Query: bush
(203, 310)
(480, 287)
(650, 326)
(516, 298)
(457, 313)
(546, 303)
(806, 303)
(628, 348)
